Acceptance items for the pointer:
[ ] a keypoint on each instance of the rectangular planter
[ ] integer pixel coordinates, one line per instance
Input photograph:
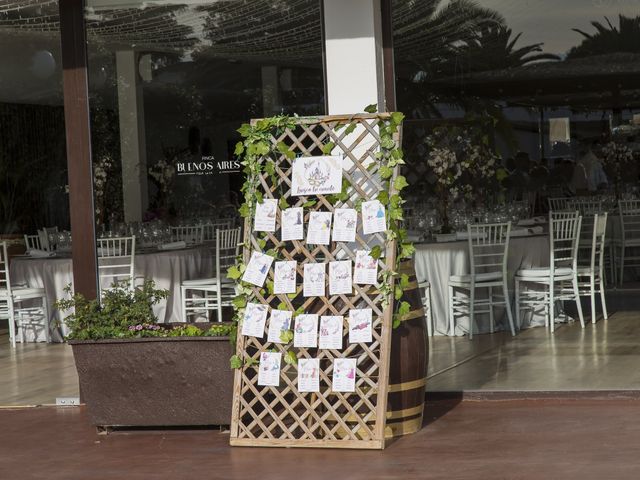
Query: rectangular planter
(180, 381)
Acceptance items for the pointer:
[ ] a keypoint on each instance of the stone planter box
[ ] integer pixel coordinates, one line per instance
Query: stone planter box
(154, 382)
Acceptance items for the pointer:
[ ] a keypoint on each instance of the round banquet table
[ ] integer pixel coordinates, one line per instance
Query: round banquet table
(167, 268)
(436, 262)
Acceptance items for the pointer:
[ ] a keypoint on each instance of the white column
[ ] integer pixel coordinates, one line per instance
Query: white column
(132, 136)
(353, 44)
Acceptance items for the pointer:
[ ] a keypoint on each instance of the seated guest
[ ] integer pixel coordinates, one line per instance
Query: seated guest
(588, 175)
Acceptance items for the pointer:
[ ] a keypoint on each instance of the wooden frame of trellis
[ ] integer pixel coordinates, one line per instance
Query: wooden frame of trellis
(282, 416)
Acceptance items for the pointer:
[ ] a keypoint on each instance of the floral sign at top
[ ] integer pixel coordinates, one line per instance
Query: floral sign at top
(317, 175)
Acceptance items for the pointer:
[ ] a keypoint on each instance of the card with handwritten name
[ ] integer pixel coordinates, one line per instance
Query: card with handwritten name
(319, 229)
(373, 217)
(314, 280)
(305, 333)
(344, 225)
(316, 175)
(265, 217)
(292, 224)
(366, 271)
(331, 332)
(279, 322)
(360, 325)
(309, 375)
(344, 375)
(284, 277)
(255, 318)
(269, 369)
(340, 281)
(257, 269)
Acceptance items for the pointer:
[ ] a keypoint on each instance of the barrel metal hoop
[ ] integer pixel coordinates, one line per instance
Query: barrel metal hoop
(400, 387)
(407, 412)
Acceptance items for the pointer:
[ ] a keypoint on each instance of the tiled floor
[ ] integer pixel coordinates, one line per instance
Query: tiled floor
(583, 439)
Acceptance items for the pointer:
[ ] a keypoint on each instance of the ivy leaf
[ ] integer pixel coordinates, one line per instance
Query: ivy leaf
(286, 336)
(259, 196)
(396, 321)
(375, 252)
(282, 203)
(235, 362)
(328, 147)
(245, 130)
(395, 200)
(383, 197)
(407, 250)
(250, 361)
(270, 167)
(262, 148)
(244, 210)
(239, 302)
(270, 287)
(404, 281)
(292, 295)
(397, 117)
(350, 128)
(400, 182)
(385, 172)
(282, 306)
(309, 203)
(404, 308)
(387, 143)
(233, 273)
(398, 291)
(395, 213)
(358, 205)
(284, 149)
(373, 108)
(300, 311)
(262, 243)
(290, 358)
(239, 149)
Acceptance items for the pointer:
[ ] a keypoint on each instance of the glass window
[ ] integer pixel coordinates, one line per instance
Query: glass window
(169, 86)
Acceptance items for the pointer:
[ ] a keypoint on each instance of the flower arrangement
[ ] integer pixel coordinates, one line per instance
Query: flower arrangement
(163, 172)
(101, 171)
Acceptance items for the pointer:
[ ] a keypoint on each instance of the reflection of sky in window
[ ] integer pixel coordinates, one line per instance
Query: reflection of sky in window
(551, 21)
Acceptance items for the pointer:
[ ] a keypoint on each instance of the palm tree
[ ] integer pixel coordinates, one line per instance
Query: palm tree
(609, 38)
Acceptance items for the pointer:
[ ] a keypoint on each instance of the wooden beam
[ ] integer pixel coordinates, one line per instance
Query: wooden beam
(78, 135)
(389, 70)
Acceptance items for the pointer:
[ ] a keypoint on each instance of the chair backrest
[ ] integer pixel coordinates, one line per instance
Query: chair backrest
(564, 230)
(227, 249)
(43, 235)
(558, 204)
(5, 280)
(489, 247)
(32, 242)
(191, 234)
(116, 261)
(598, 237)
(588, 207)
(629, 211)
(210, 228)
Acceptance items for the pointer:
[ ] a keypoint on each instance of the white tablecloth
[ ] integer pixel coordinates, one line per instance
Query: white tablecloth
(168, 269)
(436, 262)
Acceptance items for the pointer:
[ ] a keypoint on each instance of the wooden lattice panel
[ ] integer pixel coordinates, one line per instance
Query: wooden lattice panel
(282, 416)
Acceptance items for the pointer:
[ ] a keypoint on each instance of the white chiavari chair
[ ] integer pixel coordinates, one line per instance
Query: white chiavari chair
(12, 308)
(32, 242)
(210, 228)
(564, 230)
(627, 245)
(558, 204)
(190, 234)
(591, 276)
(217, 291)
(488, 253)
(425, 294)
(116, 261)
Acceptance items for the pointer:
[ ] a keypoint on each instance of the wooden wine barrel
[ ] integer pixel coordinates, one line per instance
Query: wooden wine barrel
(408, 365)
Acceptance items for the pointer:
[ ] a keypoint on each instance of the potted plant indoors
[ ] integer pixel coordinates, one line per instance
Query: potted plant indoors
(134, 371)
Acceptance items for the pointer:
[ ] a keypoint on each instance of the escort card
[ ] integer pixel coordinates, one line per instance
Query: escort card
(344, 225)
(331, 332)
(340, 278)
(366, 272)
(279, 321)
(373, 217)
(257, 269)
(292, 224)
(344, 375)
(314, 284)
(306, 331)
(265, 218)
(316, 175)
(269, 369)
(309, 375)
(360, 323)
(255, 318)
(319, 229)
(284, 277)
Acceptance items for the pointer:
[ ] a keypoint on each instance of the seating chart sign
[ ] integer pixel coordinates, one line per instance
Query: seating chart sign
(316, 374)
(317, 175)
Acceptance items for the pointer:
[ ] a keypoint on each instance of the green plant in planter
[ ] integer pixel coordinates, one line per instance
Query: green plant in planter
(125, 313)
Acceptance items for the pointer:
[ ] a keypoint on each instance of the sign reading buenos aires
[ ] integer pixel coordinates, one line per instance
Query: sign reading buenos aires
(207, 166)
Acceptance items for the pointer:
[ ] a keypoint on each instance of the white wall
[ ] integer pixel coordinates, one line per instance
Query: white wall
(353, 42)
